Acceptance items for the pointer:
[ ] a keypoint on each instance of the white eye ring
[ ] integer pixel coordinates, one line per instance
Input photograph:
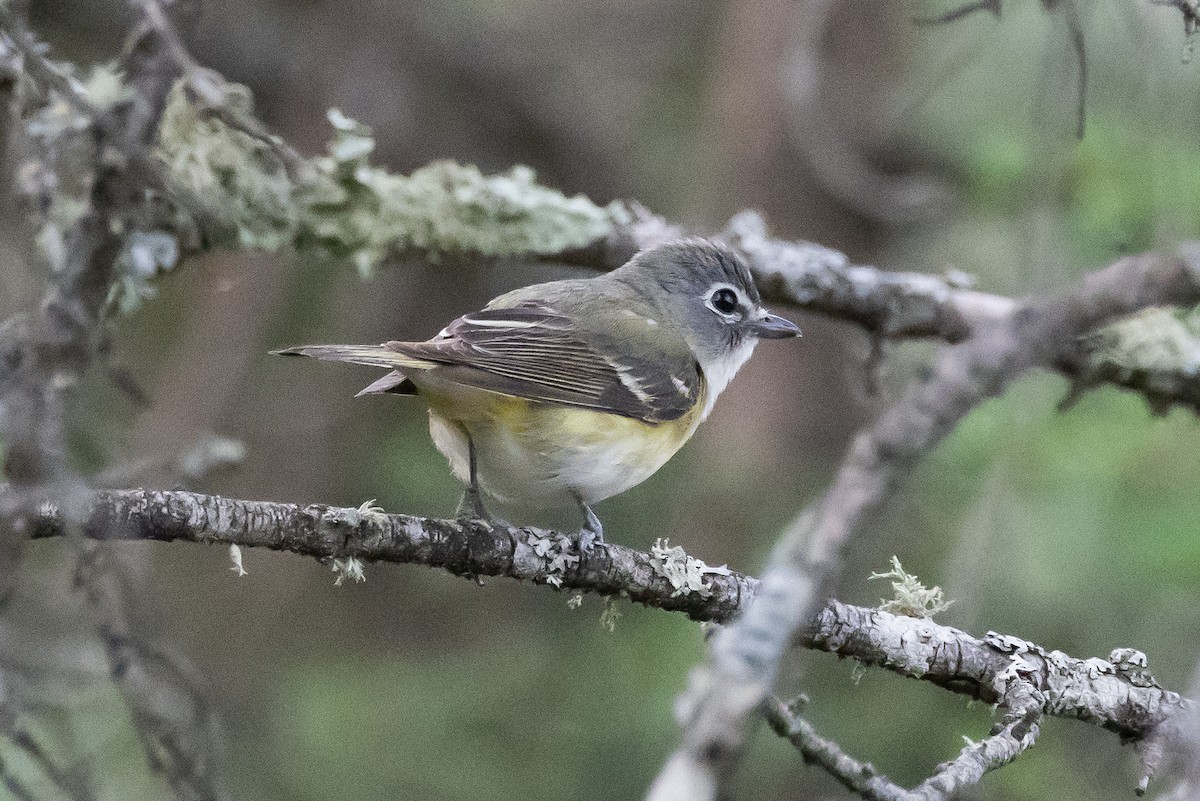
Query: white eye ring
(725, 300)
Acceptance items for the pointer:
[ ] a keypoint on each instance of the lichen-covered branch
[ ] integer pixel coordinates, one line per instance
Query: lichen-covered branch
(344, 206)
(168, 157)
(999, 669)
(1022, 678)
(664, 577)
(84, 155)
(1119, 695)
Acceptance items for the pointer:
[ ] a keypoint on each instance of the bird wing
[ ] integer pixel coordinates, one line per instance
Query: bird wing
(532, 352)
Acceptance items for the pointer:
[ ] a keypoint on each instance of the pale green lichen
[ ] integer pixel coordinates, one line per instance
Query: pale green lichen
(369, 214)
(910, 597)
(349, 568)
(56, 173)
(105, 86)
(238, 180)
(371, 510)
(685, 573)
(356, 212)
(610, 614)
(1155, 340)
(144, 256)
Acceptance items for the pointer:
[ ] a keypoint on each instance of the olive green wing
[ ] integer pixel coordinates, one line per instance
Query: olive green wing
(530, 351)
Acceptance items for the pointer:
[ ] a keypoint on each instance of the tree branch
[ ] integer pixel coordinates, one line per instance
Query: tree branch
(995, 669)
(92, 207)
(271, 197)
(471, 549)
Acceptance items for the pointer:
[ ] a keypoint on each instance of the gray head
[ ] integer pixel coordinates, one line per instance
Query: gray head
(708, 291)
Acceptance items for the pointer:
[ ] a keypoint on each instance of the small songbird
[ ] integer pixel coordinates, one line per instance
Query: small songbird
(574, 391)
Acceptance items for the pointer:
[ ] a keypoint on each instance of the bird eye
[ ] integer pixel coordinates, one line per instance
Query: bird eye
(724, 300)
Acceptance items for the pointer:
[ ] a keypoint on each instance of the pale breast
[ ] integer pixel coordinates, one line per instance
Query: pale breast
(545, 455)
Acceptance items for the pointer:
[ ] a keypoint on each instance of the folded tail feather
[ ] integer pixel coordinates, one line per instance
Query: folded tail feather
(372, 356)
(369, 355)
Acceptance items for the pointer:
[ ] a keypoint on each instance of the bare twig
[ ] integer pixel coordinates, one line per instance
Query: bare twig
(960, 12)
(170, 709)
(73, 784)
(1012, 737)
(1074, 30)
(45, 73)
(1189, 10)
(1183, 741)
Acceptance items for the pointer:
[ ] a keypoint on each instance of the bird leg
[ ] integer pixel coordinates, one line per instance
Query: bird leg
(471, 504)
(592, 532)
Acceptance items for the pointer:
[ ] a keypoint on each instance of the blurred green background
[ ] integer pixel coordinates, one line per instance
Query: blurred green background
(925, 148)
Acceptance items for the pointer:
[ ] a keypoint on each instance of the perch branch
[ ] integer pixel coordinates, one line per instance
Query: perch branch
(996, 669)
(44, 356)
(469, 549)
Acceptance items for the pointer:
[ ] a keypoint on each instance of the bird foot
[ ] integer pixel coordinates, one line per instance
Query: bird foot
(471, 509)
(592, 533)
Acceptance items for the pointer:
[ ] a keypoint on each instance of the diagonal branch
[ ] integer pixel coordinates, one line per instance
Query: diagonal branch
(744, 657)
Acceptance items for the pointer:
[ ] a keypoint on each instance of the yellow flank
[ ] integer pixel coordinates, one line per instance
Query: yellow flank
(546, 454)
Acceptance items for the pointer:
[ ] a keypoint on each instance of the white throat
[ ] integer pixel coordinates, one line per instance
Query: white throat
(719, 372)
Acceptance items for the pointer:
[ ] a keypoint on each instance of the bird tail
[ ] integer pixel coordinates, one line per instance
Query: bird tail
(371, 356)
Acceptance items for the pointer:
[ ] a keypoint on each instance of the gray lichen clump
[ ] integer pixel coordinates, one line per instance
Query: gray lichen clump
(346, 208)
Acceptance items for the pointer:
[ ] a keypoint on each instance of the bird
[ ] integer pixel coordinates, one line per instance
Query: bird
(573, 391)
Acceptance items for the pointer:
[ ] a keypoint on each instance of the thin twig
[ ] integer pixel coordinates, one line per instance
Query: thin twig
(1012, 738)
(41, 69)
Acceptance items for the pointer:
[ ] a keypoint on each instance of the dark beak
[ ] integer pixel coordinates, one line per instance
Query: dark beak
(774, 327)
